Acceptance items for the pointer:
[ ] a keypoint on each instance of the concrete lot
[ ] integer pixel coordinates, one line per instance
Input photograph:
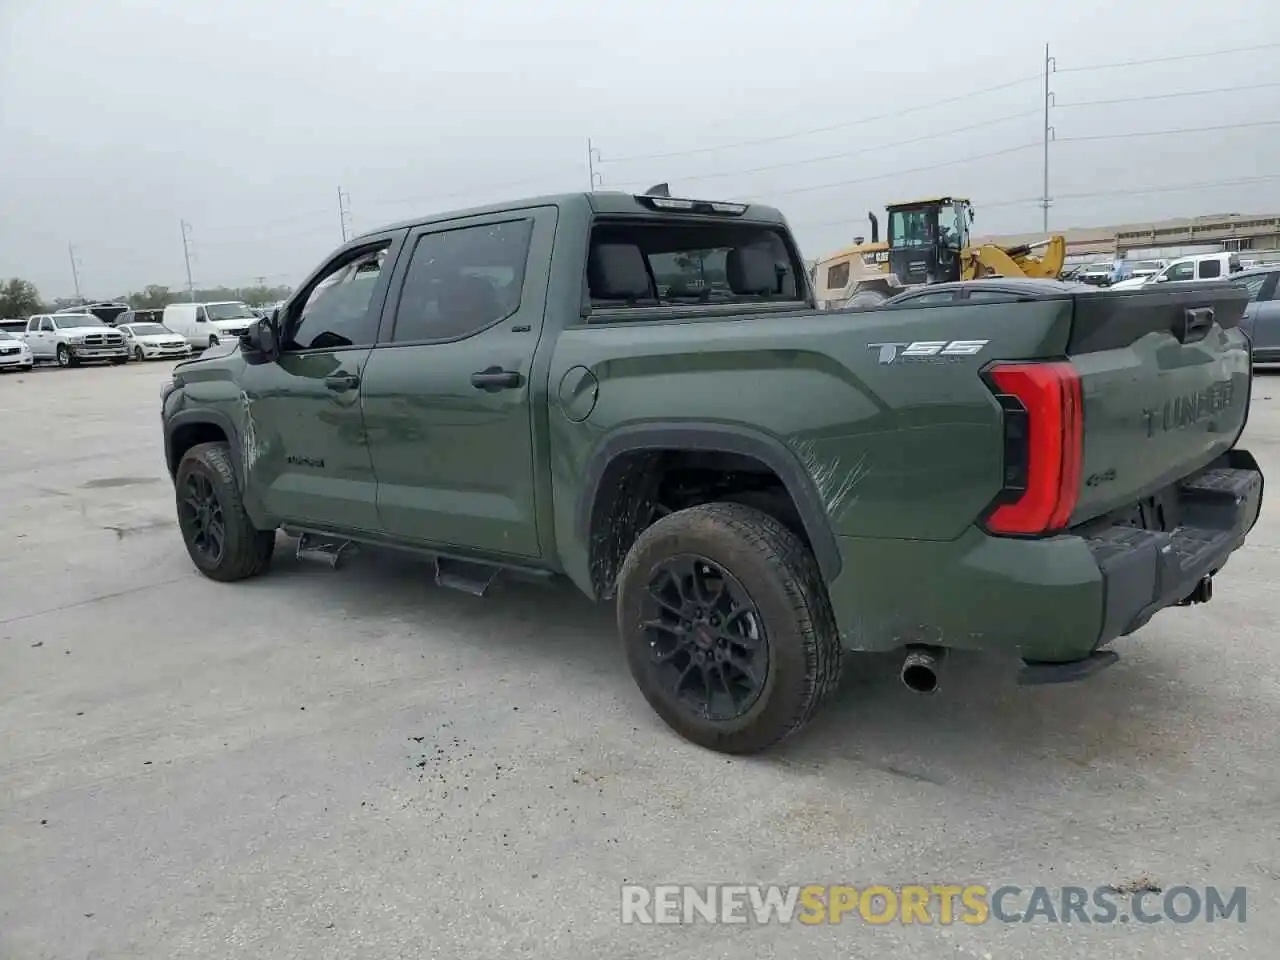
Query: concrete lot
(354, 763)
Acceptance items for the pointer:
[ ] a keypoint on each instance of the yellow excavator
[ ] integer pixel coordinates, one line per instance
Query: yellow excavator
(927, 241)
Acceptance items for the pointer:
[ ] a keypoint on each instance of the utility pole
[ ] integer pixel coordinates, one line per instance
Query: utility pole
(75, 270)
(344, 212)
(593, 157)
(1050, 65)
(186, 255)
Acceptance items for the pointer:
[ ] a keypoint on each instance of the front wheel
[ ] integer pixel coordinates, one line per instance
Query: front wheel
(221, 539)
(138, 354)
(213, 342)
(727, 627)
(65, 359)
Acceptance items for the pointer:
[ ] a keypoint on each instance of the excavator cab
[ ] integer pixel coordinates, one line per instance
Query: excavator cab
(926, 238)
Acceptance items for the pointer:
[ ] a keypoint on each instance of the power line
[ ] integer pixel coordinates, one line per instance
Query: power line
(1091, 195)
(897, 173)
(1119, 64)
(894, 114)
(852, 153)
(1135, 134)
(1166, 96)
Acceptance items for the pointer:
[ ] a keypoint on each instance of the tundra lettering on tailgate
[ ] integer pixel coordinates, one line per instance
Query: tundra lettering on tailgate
(1182, 411)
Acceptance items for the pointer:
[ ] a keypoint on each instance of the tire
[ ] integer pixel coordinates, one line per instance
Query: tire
(117, 361)
(245, 550)
(64, 357)
(792, 618)
(213, 342)
(138, 354)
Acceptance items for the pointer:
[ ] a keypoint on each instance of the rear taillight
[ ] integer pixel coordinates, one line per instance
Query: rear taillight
(1043, 447)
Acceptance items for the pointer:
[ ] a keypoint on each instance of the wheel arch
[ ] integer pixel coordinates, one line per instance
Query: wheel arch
(622, 453)
(187, 428)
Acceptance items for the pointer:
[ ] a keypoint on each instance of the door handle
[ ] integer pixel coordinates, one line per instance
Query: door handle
(342, 382)
(495, 378)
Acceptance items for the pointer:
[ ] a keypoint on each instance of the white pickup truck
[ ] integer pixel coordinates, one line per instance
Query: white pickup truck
(70, 338)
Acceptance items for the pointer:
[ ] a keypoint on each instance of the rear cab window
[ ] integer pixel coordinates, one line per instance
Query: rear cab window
(671, 265)
(1210, 269)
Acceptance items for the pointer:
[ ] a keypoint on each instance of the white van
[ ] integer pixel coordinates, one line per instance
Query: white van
(1203, 266)
(208, 324)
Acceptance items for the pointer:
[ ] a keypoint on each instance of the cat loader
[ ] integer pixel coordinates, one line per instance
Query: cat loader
(927, 241)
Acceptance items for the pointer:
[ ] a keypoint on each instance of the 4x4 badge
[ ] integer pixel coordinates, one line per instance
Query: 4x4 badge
(929, 350)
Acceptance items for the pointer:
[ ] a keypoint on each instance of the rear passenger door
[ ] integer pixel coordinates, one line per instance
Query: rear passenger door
(450, 384)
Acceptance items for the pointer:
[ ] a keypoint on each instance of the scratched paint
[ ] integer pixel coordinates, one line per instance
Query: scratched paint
(251, 447)
(836, 479)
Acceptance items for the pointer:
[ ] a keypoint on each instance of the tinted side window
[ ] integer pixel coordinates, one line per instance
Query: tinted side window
(1210, 269)
(1181, 271)
(929, 299)
(992, 296)
(338, 311)
(461, 281)
(47, 325)
(838, 276)
(1254, 284)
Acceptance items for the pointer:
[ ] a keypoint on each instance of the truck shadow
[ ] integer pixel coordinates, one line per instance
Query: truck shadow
(980, 730)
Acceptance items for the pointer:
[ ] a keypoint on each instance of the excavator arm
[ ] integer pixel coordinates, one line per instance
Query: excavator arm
(991, 260)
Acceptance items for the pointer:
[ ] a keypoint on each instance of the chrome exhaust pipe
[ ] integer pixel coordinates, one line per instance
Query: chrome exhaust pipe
(920, 669)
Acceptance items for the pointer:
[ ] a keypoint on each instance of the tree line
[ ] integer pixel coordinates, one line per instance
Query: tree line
(19, 298)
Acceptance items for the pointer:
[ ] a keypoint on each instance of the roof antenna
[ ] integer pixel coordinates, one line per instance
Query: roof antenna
(659, 190)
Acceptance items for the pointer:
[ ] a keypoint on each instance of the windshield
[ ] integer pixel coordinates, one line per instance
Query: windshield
(69, 321)
(909, 228)
(148, 329)
(1150, 266)
(6, 335)
(229, 311)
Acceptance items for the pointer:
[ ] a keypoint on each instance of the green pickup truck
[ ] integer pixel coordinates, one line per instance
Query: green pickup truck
(637, 393)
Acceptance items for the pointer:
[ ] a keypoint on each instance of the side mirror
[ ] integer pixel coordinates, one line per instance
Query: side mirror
(260, 340)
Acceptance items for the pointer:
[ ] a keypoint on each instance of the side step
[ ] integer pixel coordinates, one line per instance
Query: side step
(465, 575)
(312, 547)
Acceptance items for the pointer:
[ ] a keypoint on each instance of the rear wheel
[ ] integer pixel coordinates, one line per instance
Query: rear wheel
(727, 627)
(221, 539)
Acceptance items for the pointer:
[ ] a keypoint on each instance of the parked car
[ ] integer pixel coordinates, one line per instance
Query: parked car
(1128, 269)
(208, 324)
(144, 315)
(1096, 274)
(153, 341)
(763, 487)
(14, 352)
(71, 338)
(1262, 315)
(1202, 266)
(108, 311)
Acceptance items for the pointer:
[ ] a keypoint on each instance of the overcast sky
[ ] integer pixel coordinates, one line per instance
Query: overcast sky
(243, 117)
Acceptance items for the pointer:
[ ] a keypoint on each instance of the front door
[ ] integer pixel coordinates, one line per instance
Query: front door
(447, 400)
(304, 443)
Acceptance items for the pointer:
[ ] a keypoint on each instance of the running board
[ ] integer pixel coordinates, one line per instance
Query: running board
(465, 575)
(312, 547)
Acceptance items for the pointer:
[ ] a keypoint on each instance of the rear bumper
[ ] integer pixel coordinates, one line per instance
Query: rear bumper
(1144, 571)
(1052, 600)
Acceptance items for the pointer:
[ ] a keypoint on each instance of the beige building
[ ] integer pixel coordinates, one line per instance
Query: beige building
(1165, 238)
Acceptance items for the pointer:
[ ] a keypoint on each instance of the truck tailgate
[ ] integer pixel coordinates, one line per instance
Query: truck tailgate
(1165, 380)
